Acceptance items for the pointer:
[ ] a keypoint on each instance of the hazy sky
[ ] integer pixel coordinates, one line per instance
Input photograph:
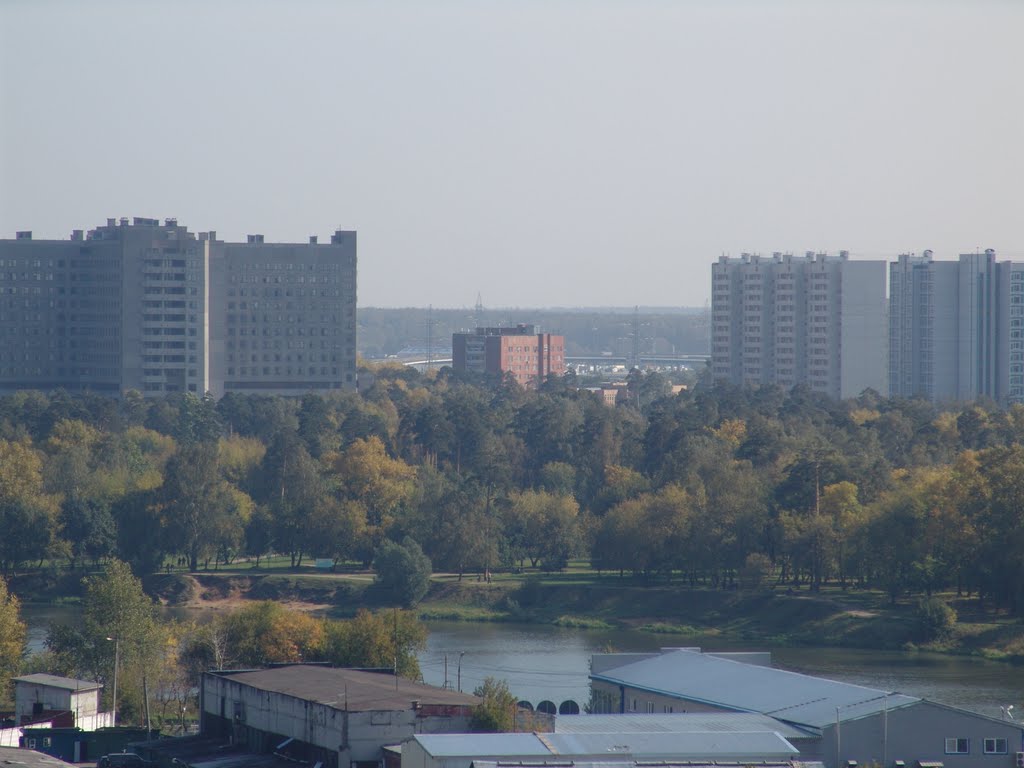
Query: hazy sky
(539, 152)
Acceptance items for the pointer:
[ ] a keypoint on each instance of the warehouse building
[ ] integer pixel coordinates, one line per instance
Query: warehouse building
(339, 718)
(847, 724)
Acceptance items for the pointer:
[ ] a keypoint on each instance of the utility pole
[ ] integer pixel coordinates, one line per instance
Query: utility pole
(461, 654)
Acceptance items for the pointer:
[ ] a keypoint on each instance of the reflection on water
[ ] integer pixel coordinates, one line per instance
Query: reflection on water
(544, 662)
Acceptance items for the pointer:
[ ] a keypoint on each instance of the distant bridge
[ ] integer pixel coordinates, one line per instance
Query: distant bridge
(691, 361)
(687, 360)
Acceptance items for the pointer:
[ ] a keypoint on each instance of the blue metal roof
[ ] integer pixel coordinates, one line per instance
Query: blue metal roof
(789, 696)
(688, 722)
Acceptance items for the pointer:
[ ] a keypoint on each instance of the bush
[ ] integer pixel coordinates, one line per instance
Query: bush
(936, 620)
(403, 571)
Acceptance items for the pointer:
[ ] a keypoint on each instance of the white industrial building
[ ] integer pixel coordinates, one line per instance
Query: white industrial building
(845, 723)
(319, 714)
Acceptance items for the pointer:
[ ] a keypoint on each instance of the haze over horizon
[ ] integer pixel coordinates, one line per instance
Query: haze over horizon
(542, 154)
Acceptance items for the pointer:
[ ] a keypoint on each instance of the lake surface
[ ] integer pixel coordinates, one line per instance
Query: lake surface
(544, 662)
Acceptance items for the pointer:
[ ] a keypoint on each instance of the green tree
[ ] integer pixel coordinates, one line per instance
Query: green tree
(551, 531)
(497, 712)
(12, 634)
(403, 571)
(266, 632)
(89, 528)
(28, 515)
(192, 499)
(292, 489)
(389, 640)
(118, 632)
(936, 620)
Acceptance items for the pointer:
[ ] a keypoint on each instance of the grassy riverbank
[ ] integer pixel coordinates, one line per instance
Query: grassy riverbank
(582, 598)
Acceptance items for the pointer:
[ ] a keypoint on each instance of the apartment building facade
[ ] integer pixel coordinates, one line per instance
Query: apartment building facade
(956, 328)
(150, 306)
(786, 320)
(523, 351)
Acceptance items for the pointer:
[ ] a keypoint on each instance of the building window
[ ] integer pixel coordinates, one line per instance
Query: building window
(634, 705)
(650, 707)
(958, 746)
(995, 746)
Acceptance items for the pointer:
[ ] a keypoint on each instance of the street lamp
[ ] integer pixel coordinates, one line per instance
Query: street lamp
(116, 640)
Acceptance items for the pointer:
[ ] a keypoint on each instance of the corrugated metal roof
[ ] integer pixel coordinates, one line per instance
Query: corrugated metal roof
(54, 681)
(356, 690)
(662, 746)
(784, 695)
(676, 723)
(647, 746)
(482, 744)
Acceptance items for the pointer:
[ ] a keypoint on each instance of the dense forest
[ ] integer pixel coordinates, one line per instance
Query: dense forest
(715, 487)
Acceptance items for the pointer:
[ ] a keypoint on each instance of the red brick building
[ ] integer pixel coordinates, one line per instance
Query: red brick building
(521, 350)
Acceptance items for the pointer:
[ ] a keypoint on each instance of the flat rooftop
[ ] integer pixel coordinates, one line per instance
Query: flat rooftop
(352, 689)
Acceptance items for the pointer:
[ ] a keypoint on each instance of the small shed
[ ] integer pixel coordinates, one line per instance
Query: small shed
(68, 700)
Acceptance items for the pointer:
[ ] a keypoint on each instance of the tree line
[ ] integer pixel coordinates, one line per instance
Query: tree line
(158, 662)
(716, 486)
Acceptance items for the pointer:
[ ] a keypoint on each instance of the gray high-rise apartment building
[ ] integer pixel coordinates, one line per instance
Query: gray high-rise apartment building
(156, 308)
(817, 320)
(956, 329)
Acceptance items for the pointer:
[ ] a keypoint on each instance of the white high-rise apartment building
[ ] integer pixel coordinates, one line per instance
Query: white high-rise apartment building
(817, 320)
(956, 329)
